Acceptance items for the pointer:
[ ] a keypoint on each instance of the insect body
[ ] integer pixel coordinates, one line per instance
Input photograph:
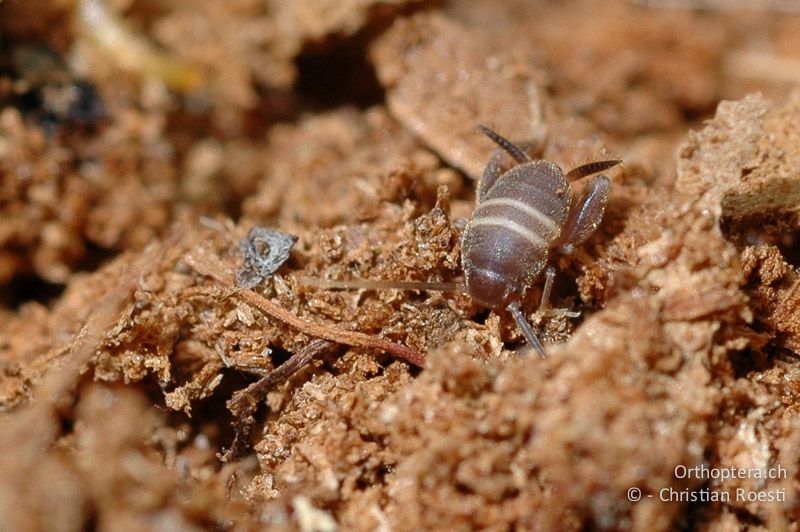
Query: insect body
(522, 214)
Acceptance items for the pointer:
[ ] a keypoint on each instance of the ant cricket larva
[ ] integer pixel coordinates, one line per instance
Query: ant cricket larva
(520, 215)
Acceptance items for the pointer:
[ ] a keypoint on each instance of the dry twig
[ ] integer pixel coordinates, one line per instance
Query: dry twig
(244, 403)
(207, 264)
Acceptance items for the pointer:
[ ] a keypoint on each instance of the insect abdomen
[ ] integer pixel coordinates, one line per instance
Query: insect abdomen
(514, 224)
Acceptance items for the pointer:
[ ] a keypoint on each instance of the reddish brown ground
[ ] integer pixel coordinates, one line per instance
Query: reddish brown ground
(128, 357)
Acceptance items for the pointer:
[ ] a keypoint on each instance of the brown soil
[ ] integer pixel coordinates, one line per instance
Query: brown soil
(142, 389)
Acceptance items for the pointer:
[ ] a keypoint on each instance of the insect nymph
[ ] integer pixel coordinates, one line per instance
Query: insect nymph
(521, 214)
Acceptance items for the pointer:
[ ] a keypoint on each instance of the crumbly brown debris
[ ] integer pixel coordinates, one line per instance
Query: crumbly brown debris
(747, 155)
(442, 79)
(261, 53)
(130, 400)
(364, 158)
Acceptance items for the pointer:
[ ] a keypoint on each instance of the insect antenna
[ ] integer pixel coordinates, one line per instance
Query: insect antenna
(591, 168)
(513, 150)
(382, 284)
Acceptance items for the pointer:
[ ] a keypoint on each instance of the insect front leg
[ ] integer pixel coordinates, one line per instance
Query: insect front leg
(585, 216)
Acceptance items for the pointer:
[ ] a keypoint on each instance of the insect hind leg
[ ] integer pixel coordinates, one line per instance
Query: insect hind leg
(586, 216)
